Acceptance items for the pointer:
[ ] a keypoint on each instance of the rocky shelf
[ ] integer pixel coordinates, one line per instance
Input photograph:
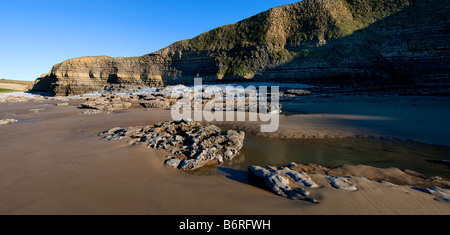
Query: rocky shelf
(7, 121)
(294, 180)
(359, 43)
(192, 144)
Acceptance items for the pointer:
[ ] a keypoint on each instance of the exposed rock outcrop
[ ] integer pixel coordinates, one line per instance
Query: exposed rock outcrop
(441, 194)
(108, 102)
(344, 42)
(297, 92)
(158, 102)
(13, 99)
(192, 144)
(294, 181)
(7, 121)
(342, 183)
(90, 74)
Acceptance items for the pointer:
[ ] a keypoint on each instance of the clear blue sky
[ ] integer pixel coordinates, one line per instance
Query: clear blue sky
(36, 34)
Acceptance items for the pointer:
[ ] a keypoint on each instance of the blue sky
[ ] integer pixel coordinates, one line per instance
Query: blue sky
(35, 35)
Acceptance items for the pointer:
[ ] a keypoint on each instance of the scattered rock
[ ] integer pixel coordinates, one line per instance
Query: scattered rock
(279, 184)
(158, 104)
(293, 164)
(194, 144)
(91, 112)
(260, 173)
(302, 179)
(146, 97)
(283, 181)
(441, 194)
(297, 92)
(108, 102)
(342, 183)
(250, 107)
(7, 121)
(174, 162)
(14, 99)
(389, 184)
(58, 98)
(36, 110)
(291, 181)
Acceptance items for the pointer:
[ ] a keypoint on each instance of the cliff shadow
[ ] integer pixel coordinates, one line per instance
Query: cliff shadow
(44, 86)
(404, 49)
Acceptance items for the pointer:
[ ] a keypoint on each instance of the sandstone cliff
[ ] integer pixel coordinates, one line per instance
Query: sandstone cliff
(312, 41)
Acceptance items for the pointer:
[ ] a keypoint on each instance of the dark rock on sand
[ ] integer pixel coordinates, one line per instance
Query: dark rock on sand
(283, 181)
(7, 121)
(358, 43)
(108, 102)
(193, 144)
(291, 182)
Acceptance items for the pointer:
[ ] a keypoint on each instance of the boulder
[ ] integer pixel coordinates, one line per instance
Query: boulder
(441, 194)
(302, 179)
(13, 99)
(7, 121)
(108, 102)
(282, 181)
(342, 183)
(174, 162)
(193, 142)
(158, 103)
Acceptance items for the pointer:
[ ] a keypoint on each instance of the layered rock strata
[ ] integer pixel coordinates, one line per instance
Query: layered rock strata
(7, 121)
(376, 44)
(294, 181)
(192, 144)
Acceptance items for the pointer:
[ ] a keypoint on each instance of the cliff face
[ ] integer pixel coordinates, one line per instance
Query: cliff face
(313, 41)
(89, 74)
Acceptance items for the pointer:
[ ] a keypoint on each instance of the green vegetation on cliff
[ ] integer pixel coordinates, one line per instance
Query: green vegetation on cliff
(311, 40)
(269, 38)
(3, 90)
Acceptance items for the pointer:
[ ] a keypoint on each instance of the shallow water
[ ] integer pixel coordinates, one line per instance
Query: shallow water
(383, 153)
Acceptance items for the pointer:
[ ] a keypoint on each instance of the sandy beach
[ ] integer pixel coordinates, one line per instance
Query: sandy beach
(239, 109)
(53, 162)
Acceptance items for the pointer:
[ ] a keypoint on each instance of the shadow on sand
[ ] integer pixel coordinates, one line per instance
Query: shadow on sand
(240, 176)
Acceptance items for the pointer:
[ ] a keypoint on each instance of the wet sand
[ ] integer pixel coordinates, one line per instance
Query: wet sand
(422, 119)
(52, 162)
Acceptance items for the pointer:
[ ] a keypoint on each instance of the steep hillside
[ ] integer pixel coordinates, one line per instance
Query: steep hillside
(313, 41)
